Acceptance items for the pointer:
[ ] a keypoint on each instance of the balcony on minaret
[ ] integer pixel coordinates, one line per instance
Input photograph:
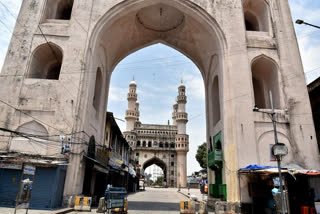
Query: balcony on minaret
(132, 96)
(182, 99)
(182, 145)
(174, 115)
(182, 116)
(182, 138)
(131, 114)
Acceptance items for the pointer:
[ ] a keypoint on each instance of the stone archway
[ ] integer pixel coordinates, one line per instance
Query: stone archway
(156, 161)
(126, 28)
(130, 26)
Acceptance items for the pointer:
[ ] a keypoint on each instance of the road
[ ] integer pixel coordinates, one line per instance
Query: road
(152, 201)
(155, 201)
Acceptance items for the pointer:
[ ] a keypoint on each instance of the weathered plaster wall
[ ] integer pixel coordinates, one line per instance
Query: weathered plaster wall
(213, 36)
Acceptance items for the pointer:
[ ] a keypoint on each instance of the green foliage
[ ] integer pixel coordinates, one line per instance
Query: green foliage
(201, 155)
(159, 181)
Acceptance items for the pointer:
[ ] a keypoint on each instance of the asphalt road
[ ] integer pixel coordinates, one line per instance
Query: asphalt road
(152, 201)
(157, 201)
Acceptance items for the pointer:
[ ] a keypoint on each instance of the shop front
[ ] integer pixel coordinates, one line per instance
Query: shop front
(97, 174)
(47, 186)
(260, 192)
(119, 172)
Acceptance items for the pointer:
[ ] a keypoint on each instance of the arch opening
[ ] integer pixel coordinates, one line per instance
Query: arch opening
(256, 15)
(265, 80)
(58, 9)
(151, 163)
(46, 62)
(134, 20)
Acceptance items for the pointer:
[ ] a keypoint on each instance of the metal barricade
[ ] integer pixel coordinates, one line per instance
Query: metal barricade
(116, 199)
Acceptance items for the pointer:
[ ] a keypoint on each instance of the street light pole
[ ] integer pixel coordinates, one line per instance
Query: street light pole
(273, 114)
(299, 22)
(278, 149)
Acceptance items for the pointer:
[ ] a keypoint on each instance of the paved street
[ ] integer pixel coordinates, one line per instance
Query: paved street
(153, 201)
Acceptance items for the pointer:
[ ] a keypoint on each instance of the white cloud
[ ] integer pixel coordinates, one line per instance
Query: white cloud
(117, 94)
(194, 85)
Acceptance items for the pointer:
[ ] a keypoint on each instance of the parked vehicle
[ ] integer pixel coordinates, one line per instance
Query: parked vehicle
(142, 184)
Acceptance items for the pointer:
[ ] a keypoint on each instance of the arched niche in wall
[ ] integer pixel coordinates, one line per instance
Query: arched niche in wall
(97, 89)
(256, 15)
(34, 143)
(216, 111)
(265, 143)
(46, 62)
(58, 9)
(265, 80)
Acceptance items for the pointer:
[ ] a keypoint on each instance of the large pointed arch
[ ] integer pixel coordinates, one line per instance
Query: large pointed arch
(120, 33)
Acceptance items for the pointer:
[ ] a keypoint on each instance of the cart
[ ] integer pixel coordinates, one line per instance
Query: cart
(116, 200)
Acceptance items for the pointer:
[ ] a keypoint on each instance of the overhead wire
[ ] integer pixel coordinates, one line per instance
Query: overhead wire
(163, 58)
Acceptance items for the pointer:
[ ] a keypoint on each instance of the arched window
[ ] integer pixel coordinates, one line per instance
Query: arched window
(161, 145)
(138, 144)
(172, 145)
(264, 80)
(256, 15)
(33, 128)
(216, 101)
(144, 144)
(27, 145)
(149, 144)
(59, 9)
(46, 62)
(166, 145)
(97, 89)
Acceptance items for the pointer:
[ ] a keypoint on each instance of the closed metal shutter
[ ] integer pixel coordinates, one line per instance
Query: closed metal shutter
(42, 196)
(60, 188)
(9, 186)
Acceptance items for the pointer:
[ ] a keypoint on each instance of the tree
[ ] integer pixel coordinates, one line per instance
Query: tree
(159, 181)
(201, 155)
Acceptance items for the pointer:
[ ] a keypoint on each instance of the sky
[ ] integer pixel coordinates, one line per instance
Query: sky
(158, 71)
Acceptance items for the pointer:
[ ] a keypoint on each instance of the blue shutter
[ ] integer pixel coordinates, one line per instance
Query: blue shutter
(42, 195)
(9, 186)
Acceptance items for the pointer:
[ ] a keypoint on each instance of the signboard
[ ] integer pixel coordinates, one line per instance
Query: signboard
(29, 170)
(218, 155)
(115, 203)
(114, 162)
(102, 156)
(24, 194)
(10, 166)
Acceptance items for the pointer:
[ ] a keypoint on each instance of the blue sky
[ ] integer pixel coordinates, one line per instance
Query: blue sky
(158, 70)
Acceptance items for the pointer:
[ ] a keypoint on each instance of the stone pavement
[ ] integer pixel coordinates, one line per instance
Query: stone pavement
(5, 210)
(194, 192)
(150, 201)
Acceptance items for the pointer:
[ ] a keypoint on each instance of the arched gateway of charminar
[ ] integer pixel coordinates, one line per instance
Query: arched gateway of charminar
(163, 145)
(243, 49)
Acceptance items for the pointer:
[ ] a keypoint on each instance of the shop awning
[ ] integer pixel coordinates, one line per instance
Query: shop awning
(291, 169)
(100, 167)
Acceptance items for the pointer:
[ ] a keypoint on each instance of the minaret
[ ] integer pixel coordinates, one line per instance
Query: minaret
(132, 114)
(137, 110)
(174, 113)
(182, 139)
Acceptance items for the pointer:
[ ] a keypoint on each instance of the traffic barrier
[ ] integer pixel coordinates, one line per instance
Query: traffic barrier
(83, 203)
(203, 209)
(187, 207)
(102, 206)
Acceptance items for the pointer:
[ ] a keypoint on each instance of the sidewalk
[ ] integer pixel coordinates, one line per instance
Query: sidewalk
(194, 192)
(5, 210)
